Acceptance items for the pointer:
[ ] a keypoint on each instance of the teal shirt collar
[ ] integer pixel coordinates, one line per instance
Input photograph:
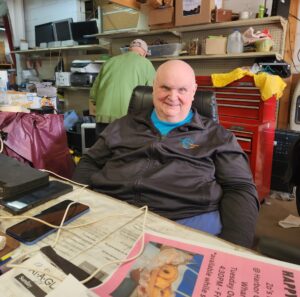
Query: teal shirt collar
(165, 127)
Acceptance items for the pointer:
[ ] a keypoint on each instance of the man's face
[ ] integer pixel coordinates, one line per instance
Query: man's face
(173, 93)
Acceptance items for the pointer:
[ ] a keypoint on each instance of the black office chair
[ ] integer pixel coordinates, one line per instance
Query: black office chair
(205, 102)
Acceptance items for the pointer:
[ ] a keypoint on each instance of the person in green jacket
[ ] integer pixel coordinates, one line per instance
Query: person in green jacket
(112, 89)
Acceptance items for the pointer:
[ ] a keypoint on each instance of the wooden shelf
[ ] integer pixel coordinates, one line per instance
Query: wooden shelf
(73, 88)
(5, 66)
(58, 49)
(178, 30)
(225, 56)
(235, 24)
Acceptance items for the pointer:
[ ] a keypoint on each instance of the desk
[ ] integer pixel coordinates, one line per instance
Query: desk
(113, 237)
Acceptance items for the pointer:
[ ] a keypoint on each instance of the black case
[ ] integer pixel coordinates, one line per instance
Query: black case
(18, 178)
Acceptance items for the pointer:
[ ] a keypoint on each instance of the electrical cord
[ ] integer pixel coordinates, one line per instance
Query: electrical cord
(290, 45)
(61, 227)
(64, 178)
(142, 238)
(292, 15)
(1, 145)
(145, 208)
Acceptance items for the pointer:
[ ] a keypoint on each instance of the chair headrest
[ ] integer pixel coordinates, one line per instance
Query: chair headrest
(204, 101)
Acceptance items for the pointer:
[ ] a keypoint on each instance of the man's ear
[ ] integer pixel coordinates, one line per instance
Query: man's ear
(194, 91)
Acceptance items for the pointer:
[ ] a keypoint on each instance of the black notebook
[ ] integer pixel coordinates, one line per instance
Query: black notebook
(19, 178)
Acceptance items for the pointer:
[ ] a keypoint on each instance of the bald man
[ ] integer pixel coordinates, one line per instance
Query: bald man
(182, 165)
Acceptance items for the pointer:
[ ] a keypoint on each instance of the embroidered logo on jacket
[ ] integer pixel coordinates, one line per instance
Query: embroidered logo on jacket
(188, 143)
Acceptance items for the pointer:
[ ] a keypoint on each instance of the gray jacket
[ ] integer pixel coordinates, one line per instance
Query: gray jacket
(197, 168)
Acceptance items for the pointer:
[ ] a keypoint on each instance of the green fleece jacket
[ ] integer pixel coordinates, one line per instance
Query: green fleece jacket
(114, 84)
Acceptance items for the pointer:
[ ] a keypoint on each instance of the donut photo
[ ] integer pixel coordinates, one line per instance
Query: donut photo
(161, 271)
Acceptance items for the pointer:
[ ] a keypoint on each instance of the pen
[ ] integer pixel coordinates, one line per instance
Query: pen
(2, 262)
(5, 256)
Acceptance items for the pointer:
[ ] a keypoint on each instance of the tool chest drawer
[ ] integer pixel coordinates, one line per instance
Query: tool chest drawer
(252, 120)
(240, 99)
(257, 142)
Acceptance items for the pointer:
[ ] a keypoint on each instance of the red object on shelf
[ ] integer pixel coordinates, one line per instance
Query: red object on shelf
(252, 120)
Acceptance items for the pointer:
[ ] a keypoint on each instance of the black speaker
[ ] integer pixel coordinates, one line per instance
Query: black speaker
(284, 141)
(281, 7)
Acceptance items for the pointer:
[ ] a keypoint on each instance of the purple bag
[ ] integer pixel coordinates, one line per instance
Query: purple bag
(37, 139)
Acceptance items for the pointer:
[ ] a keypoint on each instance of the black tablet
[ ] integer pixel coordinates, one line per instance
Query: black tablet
(22, 203)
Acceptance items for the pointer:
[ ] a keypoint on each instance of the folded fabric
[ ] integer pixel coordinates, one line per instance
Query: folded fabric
(290, 222)
(268, 84)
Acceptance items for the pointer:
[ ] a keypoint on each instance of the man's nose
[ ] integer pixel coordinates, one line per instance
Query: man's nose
(172, 94)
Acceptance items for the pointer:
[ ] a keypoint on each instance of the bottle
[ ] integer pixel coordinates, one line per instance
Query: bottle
(3, 89)
(235, 43)
(261, 11)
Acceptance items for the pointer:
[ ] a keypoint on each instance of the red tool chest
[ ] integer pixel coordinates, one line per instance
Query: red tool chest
(252, 120)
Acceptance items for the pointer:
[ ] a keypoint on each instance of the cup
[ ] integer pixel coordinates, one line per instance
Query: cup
(244, 15)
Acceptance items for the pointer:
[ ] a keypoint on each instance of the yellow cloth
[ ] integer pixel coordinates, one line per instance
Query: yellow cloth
(268, 84)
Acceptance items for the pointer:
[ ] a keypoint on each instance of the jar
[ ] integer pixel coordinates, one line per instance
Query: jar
(194, 47)
(235, 43)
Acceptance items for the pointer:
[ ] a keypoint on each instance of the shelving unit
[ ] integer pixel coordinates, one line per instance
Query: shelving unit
(73, 88)
(225, 56)
(61, 49)
(202, 64)
(276, 25)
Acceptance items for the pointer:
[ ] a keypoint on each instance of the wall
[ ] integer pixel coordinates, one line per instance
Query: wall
(296, 56)
(39, 12)
(252, 6)
(246, 5)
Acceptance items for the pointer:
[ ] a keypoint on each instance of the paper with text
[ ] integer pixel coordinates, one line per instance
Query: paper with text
(170, 267)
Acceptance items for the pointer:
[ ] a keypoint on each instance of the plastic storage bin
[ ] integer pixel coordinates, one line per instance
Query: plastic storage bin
(170, 49)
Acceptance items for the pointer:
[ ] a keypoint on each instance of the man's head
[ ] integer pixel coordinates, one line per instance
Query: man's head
(139, 46)
(173, 90)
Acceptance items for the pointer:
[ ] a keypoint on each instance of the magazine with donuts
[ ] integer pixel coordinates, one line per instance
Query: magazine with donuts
(168, 267)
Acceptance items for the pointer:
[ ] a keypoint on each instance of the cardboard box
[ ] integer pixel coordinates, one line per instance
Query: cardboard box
(221, 15)
(116, 18)
(184, 18)
(215, 46)
(2, 52)
(29, 100)
(161, 16)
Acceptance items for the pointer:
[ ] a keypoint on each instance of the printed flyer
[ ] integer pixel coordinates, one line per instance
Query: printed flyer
(171, 268)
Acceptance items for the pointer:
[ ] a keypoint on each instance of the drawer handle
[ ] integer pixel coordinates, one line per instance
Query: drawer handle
(243, 139)
(238, 106)
(241, 131)
(235, 93)
(237, 100)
